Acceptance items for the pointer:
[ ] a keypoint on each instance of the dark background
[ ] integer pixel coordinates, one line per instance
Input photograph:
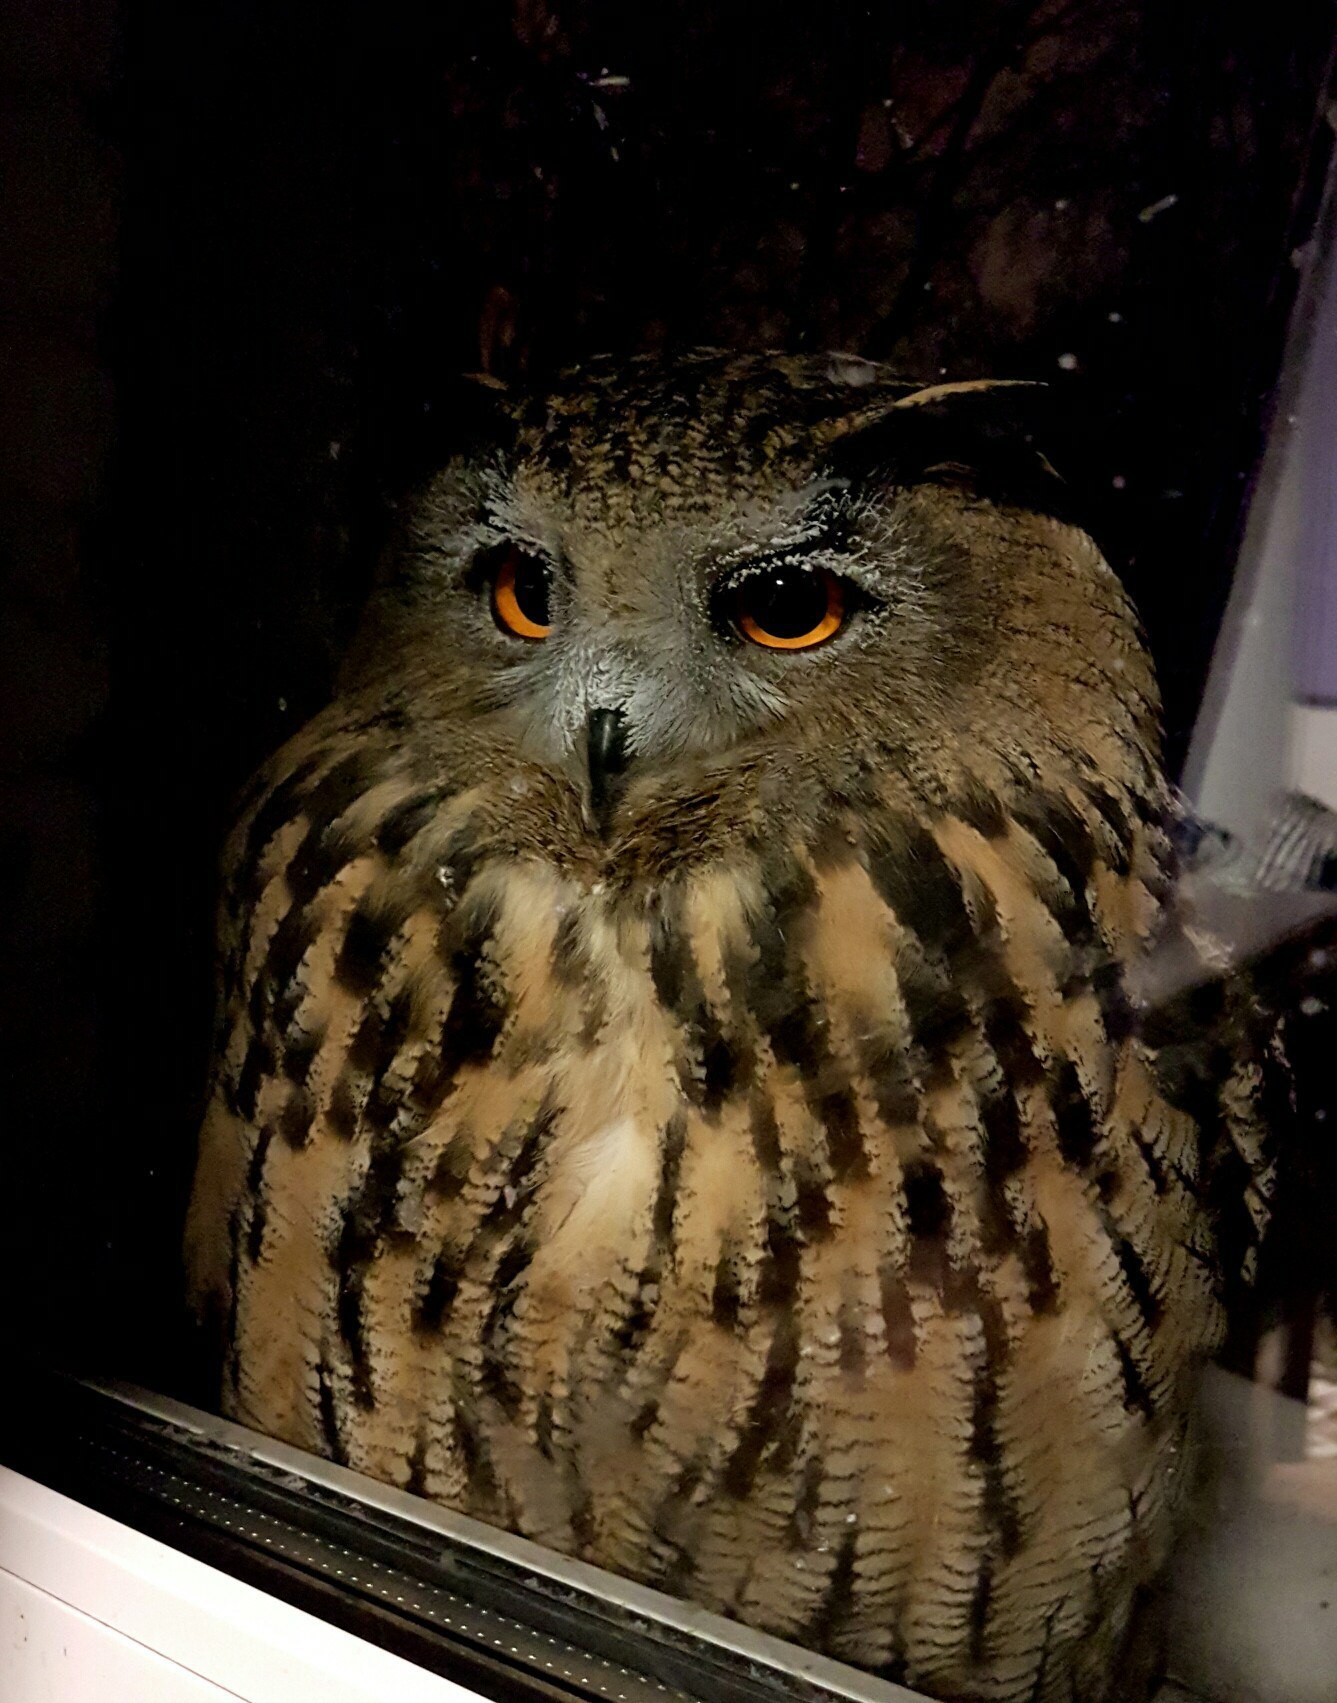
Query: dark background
(243, 249)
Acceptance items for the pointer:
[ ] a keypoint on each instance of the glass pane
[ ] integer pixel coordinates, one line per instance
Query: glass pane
(742, 1039)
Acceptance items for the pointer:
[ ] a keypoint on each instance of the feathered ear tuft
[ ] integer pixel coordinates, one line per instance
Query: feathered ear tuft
(977, 434)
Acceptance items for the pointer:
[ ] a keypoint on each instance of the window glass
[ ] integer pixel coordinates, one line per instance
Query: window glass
(774, 1039)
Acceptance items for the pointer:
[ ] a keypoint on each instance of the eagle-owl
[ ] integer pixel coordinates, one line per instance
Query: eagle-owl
(680, 1092)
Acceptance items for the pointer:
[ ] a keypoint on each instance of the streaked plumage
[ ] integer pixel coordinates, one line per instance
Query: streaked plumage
(768, 1192)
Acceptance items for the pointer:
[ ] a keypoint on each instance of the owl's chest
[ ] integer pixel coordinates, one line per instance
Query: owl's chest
(800, 1225)
(771, 1328)
(700, 1158)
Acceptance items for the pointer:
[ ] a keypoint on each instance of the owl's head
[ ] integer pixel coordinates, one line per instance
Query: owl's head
(753, 581)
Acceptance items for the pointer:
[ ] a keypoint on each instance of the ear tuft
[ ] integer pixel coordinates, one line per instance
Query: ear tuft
(979, 434)
(965, 387)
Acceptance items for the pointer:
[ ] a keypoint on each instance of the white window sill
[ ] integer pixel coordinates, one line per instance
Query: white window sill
(90, 1608)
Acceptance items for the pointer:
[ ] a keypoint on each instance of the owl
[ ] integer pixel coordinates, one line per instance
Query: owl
(682, 1090)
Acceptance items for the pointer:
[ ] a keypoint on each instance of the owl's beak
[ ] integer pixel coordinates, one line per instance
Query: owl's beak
(606, 752)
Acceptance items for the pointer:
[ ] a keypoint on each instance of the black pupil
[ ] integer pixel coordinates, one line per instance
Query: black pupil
(786, 602)
(531, 589)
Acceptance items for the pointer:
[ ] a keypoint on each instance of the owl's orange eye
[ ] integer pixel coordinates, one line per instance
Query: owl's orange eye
(520, 595)
(789, 608)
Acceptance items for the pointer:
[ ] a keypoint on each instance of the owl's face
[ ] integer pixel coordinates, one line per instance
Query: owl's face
(755, 577)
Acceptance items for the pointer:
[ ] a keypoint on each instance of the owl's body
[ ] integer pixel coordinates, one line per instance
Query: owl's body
(752, 1179)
